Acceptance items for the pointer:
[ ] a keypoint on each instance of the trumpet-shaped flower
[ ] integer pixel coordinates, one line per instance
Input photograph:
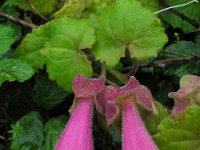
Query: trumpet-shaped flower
(123, 100)
(188, 94)
(77, 134)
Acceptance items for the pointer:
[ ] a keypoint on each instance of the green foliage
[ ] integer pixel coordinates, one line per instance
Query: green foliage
(82, 8)
(7, 38)
(53, 128)
(13, 69)
(73, 8)
(47, 93)
(59, 44)
(121, 27)
(96, 30)
(184, 50)
(27, 133)
(180, 134)
(37, 6)
(192, 11)
(153, 5)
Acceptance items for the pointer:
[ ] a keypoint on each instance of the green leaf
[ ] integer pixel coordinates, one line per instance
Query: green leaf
(152, 5)
(47, 93)
(115, 135)
(197, 39)
(11, 10)
(64, 64)
(53, 128)
(13, 69)
(73, 8)
(121, 27)
(180, 134)
(152, 120)
(27, 133)
(7, 38)
(59, 44)
(37, 6)
(192, 11)
(182, 49)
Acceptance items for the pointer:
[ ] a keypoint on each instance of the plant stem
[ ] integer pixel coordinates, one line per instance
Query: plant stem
(118, 75)
(18, 20)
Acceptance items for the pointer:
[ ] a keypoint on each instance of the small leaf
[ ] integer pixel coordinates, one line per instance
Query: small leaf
(53, 128)
(121, 27)
(13, 69)
(7, 38)
(181, 134)
(47, 93)
(27, 133)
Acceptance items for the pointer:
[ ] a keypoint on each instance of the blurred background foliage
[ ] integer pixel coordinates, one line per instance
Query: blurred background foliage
(34, 109)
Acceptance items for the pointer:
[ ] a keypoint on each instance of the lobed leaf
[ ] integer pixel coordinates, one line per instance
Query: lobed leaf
(121, 27)
(58, 44)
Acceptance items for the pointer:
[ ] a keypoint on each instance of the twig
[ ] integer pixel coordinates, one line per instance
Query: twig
(118, 75)
(3, 138)
(18, 20)
(37, 11)
(164, 61)
(134, 67)
(170, 60)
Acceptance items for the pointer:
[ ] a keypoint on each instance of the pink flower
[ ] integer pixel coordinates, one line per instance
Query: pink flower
(123, 100)
(188, 94)
(77, 134)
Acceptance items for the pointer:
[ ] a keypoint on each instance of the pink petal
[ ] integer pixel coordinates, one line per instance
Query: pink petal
(144, 97)
(86, 87)
(180, 106)
(131, 86)
(188, 84)
(135, 136)
(112, 112)
(110, 101)
(112, 93)
(77, 135)
(187, 95)
(100, 102)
